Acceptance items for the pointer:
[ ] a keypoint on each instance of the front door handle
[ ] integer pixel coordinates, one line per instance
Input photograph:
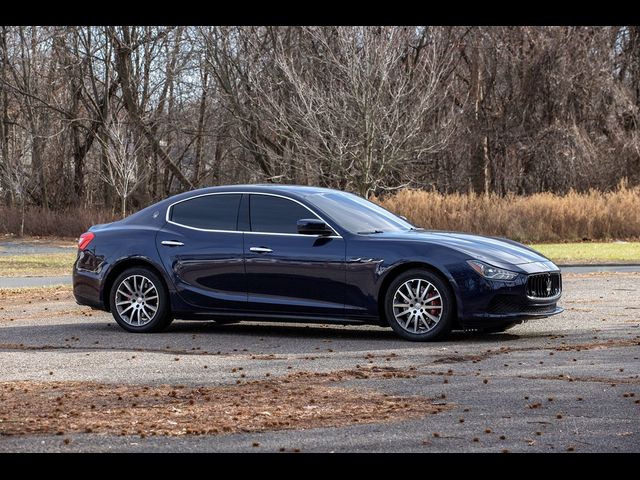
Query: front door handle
(172, 243)
(260, 250)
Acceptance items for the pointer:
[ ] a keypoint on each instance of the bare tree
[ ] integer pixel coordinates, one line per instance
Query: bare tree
(365, 107)
(125, 171)
(126, 43)
(15, 165)
(368, 109)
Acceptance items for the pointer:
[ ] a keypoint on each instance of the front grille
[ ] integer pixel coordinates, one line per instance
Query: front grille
(501, 304)
(544, 285)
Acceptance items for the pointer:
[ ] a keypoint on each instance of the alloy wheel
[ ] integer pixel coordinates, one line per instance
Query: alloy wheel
(417, 306)
(137, 300)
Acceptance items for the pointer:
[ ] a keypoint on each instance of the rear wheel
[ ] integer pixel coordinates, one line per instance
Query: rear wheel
(419, 306)
(139, 301)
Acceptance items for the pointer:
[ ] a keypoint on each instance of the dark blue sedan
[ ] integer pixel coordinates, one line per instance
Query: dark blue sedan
(305, 254)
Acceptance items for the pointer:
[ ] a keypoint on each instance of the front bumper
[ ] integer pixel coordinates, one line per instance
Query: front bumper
(494, 319)
(488, 303)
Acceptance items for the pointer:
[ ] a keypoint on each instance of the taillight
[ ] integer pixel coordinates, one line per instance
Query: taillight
(85, 239)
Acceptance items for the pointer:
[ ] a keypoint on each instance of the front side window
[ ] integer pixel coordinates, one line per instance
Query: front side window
(356, 214)
(276, 214)
(209, 212)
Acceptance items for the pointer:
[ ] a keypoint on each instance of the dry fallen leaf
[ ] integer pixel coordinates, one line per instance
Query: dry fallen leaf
(288, 402)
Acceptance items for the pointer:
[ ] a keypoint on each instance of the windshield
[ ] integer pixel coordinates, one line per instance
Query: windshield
(358, 215)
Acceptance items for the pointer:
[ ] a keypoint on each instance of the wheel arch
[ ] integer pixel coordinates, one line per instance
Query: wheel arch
(123, 265)
(404, 267)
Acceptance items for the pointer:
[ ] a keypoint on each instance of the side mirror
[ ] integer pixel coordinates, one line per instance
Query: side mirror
(313, 226)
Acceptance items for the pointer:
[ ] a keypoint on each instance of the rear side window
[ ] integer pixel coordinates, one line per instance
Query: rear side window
(211, 212)
(276, 215)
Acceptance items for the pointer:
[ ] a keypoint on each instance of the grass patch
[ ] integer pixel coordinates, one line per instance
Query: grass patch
(37, 265)
(592, 252)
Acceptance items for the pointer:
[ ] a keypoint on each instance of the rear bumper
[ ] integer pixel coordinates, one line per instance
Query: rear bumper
(89, 302)
(87, 288)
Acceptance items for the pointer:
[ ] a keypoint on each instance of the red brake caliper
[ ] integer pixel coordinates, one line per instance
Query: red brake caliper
(434, 303)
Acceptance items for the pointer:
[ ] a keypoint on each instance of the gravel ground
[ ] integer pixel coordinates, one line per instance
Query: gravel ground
(568, 383)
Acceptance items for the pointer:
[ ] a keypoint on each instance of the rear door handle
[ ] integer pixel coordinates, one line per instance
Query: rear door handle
(260, 250)
(172, 243)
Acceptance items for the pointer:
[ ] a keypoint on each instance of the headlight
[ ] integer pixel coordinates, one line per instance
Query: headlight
(491, 272)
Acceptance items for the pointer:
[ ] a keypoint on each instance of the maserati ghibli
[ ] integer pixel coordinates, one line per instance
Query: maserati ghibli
(305, 254)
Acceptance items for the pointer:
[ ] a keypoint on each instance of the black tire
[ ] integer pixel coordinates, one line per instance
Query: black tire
(500, 328)
(442, 327)
(160, 320)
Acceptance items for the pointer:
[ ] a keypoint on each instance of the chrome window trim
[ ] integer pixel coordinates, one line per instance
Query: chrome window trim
(168, 212)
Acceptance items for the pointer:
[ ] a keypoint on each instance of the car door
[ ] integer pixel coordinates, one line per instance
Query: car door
(202, 249)
(289, 272)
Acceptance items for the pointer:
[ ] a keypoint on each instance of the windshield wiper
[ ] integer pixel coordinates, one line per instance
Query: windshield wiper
(370, 232)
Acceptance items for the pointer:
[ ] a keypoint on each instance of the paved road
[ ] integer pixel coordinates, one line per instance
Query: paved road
(22, 282)
(600, 268)
(535, 375)
(29, 248)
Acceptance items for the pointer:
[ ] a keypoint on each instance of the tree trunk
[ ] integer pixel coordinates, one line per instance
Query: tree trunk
(83, 143)
(486, 172)
(22, 216)
(4, 119)
(200, 131)
(480, 172)
(38, 169)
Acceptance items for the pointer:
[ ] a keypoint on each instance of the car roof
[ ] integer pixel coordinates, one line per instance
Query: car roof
(268, 187)
(295, 191)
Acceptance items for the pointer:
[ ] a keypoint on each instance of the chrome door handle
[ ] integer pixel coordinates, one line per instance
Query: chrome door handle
(172, 243)
(260, 250)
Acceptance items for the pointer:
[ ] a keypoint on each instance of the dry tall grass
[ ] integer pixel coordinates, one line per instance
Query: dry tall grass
(41, 222)
(543, 217)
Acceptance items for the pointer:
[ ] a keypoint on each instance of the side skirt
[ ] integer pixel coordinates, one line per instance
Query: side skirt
(275, 318)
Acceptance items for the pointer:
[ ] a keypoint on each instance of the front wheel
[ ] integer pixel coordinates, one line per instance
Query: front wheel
(139, 301)
(419, 306)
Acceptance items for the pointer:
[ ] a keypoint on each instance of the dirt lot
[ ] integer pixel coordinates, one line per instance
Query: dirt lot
(71, 380)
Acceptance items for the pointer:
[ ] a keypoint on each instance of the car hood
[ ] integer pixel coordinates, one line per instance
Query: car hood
(497, 251)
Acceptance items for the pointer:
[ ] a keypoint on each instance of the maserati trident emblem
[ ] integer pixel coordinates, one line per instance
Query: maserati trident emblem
(548, 285)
